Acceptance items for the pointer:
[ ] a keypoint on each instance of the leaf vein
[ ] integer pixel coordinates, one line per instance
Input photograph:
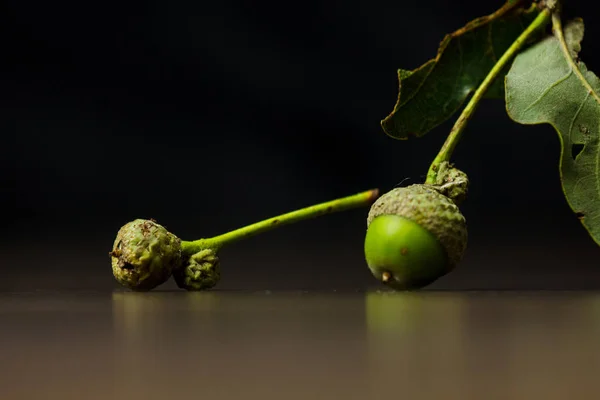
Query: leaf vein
(548, 89)
(577, 114)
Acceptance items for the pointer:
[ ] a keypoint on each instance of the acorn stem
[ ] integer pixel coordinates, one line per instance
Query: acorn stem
(456, 132)
(329, 207)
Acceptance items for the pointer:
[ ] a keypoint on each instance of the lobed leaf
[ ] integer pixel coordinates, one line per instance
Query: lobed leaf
(544, 85)
(432, 93)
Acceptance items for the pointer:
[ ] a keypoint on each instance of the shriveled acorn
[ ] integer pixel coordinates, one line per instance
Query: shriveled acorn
(144, 255)
(416, 234)
(201, 271)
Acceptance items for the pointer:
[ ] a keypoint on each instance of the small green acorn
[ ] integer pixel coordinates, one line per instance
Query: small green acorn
(416, 234)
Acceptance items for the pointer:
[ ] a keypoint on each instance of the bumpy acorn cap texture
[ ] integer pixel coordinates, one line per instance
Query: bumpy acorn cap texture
(144, 255)
(425, 205)
(201, 271)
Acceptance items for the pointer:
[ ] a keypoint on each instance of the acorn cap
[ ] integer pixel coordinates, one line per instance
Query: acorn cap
(425, 205)
(144, 255)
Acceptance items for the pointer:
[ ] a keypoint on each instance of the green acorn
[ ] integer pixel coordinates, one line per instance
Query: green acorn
(144, 255)
(417, 234)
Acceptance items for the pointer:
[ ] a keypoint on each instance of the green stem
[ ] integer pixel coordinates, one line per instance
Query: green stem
(455, 134)
(345, 203)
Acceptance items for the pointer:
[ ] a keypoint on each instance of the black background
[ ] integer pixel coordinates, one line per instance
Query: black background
(208, 116)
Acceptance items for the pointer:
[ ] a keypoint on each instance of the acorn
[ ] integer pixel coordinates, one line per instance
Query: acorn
(144, 255)
(417, 234)
(201, 271)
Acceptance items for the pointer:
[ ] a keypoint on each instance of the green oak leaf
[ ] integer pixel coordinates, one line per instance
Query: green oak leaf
(546, 86)
(432, 93)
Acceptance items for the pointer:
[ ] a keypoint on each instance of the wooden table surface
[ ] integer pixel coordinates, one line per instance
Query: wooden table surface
(300, 345)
